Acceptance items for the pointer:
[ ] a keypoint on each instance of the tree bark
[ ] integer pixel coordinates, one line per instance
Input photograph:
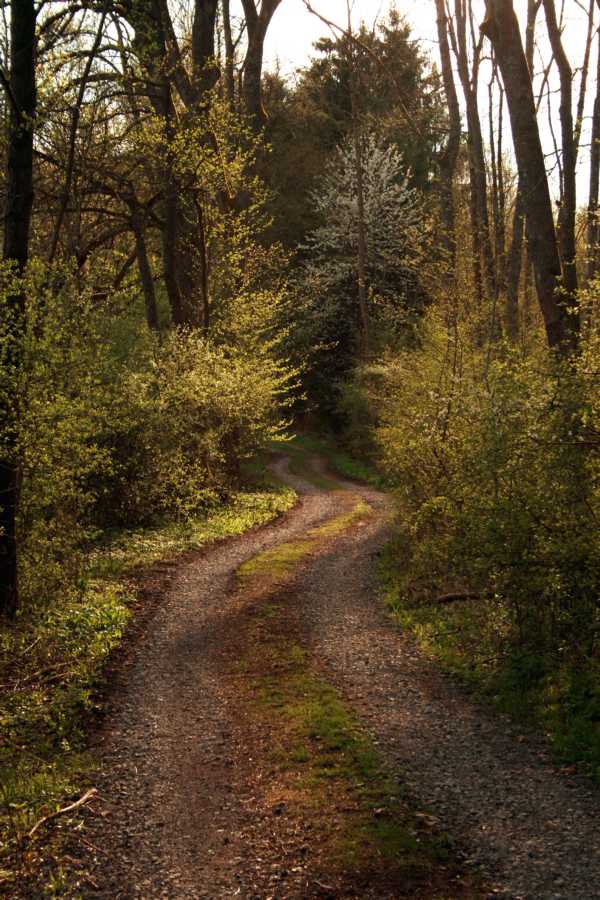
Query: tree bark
(21, 89)
(560, 318)
(75, 116)
(229, 53)
(257, 24)
(482, 246)
(144, 268)
(157, 49)
(515, 262)
(515, 253)
(593, 230)
(568, 207)
(205, 72)
(449, 157)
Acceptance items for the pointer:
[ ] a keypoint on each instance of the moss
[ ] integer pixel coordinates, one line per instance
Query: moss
(323, 748)
(279, 562)
(360, 512)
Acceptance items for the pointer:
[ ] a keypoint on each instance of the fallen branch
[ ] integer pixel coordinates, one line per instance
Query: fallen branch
(89, 795)
(457, 596)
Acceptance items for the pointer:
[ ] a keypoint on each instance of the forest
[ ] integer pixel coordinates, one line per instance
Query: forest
(358, 302)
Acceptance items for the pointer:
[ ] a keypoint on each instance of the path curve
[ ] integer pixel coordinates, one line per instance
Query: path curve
(181, 818)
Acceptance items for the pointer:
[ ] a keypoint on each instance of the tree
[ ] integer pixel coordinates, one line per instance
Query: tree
(593, 229)
(560, 318)
(21, 93)
(468, 71)
(568, 204)
(449, 156)
(398, 95)
(394, 233)
(515, 253)
(257, 23)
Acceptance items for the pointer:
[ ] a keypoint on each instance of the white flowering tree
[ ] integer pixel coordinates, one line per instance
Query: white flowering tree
(394, 229)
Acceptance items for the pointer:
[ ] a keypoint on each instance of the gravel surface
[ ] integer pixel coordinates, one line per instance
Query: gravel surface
(181, 818)
(535, 831)
(175, 805)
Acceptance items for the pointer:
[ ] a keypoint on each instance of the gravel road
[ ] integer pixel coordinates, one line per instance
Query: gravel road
(180, 815)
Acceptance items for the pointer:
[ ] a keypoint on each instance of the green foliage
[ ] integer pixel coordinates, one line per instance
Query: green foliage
(185, 423)
(394, 222)
(495, 465)
(49, 665)
(396, 91)
(105, 438)
(60, 395)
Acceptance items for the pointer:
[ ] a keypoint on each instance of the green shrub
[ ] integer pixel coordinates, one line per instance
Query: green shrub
(497, 480)
(104, 439)
(185, 423)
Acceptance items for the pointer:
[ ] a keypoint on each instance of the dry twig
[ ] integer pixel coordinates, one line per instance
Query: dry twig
(89, 795)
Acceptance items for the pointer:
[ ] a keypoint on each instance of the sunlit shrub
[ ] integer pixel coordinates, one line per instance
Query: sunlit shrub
(495, 461)
(185, 423)
(103, 439)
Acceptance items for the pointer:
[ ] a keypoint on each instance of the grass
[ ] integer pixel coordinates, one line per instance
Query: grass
(340, 461)
(331, 768)
(279, 562)
(51, 665)
(301, 464)
(323, 747)
(327, 765)
(142, 547)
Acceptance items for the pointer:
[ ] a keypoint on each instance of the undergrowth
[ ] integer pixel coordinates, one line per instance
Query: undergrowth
(549, 693)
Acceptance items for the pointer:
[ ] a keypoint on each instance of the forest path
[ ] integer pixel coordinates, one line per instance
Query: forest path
(234, 761)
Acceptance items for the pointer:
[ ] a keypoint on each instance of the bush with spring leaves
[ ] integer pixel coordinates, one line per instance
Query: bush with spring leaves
(496, 463)
(104, 438)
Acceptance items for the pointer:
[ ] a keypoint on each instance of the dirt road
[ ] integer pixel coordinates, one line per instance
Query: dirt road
(276, 736)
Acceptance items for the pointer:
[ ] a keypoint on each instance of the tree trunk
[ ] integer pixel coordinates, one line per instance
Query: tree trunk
(449, 157)
(156, 46)
(568, 207)
(560, 319)
(203, 254)
(515, 262)
(482, 246)
(205, 72)
(137, 225)
(17, 219)
(229, 53)
(593, 230)
(257, 24)
(361, 231)
(515, 254)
